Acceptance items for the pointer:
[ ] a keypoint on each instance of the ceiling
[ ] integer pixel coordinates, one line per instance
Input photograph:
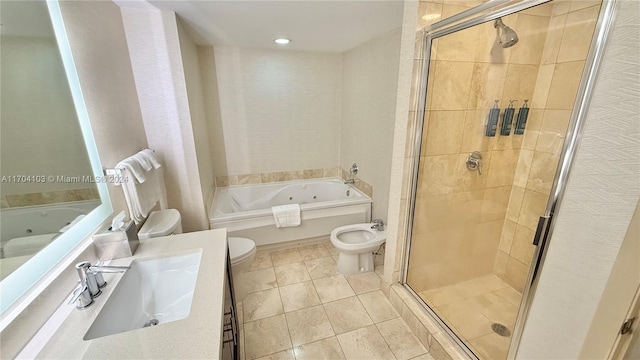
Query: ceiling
(325, 26)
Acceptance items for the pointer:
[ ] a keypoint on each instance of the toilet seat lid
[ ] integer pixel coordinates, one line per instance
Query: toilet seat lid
(240, 248)
(160, 223)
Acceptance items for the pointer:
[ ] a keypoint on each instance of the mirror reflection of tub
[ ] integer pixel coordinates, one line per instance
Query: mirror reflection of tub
(26, 230)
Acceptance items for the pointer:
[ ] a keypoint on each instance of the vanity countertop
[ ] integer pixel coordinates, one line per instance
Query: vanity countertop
(196, 337)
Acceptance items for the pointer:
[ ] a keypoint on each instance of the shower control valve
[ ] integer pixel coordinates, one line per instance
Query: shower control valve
(474, 162)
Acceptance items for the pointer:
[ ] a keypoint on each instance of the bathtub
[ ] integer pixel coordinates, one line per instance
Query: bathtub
(33, 224)
(325, 204)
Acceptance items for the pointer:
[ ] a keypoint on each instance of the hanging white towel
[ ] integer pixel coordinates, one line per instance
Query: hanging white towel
(144, 186)
(151, 157)
(286, 215)
(143, 161)
(134, 168)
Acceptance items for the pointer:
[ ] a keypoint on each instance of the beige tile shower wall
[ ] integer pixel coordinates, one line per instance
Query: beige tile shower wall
(460, 214)
(566, 45)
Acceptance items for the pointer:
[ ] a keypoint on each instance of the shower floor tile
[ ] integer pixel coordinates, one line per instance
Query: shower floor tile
(311, 329)
(472, 306)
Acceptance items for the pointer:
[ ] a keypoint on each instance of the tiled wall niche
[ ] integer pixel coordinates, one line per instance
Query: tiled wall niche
(279, 176)
(502, 205)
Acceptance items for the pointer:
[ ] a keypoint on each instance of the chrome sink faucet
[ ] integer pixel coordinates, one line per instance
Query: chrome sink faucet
(91, 281)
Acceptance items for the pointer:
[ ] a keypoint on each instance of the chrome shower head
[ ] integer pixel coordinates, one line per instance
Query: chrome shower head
(508, 36)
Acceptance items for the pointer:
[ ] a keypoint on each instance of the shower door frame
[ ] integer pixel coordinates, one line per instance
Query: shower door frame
(467, 19)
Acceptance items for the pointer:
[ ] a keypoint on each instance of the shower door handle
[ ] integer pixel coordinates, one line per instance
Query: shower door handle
(541, 230)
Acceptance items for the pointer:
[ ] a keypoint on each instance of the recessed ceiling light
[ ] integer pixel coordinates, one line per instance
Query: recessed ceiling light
(282, 41)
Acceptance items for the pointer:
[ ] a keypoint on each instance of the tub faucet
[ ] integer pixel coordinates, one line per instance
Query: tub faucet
(353, 171)
(378, 224)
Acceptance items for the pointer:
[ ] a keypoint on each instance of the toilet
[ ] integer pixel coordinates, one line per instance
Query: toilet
(161, 223)
(356, 244)
(242, 251)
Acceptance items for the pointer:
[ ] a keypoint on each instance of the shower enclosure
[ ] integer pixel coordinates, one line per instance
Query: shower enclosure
(497, 113)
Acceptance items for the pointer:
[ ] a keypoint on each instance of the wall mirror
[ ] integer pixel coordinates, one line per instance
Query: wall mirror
(53, 190)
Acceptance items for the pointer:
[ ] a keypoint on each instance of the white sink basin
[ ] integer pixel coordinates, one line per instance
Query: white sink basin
(153, 292)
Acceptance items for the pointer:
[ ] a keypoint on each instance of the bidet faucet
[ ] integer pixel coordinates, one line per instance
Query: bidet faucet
(91, 276)
(378, 224)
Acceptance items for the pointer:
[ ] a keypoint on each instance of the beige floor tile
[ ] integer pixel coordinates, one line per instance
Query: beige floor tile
(510, 295)
(333, 288)
(241, 352)
(378, 307)
(401, 340)
(331, 249)
(257, 280)
(282, 355)
(466, 316)
(491, 347)
(240, 311)
(481, 285)
(324, 349)
(426, 356)
(347, 314)
(284, 257)
(266, 336)
(365, 343)
(260, 262)
(291, 274)
(321, 267)
(379, 269)
(497, 309)
(364, 282)
(443, 295)
(262, 304)
(311, 252)
(299, 296)
(308, 325)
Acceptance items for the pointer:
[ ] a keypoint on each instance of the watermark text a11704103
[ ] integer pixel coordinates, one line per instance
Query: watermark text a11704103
(63, 179)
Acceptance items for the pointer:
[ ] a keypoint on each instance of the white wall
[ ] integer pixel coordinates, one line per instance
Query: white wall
(280, 110)
(152, 36)
(193, 80)
(394, 245)
(40, 130)
(211, 96)
(601, 194)
(99, 47)
(369, 90)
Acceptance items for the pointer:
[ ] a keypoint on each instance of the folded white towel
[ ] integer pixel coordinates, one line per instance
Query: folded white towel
(286, 215)
(142, 160)
(147, 153)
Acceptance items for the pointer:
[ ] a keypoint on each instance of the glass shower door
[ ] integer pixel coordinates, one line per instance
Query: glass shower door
(496, 113)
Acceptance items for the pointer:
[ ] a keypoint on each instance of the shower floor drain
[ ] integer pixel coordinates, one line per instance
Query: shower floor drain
(500, 329)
